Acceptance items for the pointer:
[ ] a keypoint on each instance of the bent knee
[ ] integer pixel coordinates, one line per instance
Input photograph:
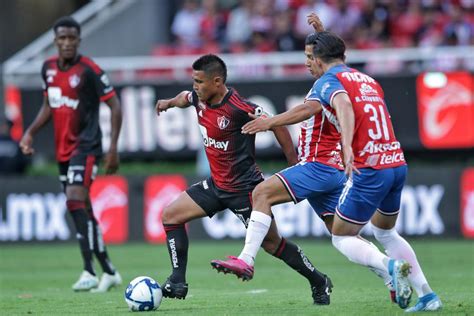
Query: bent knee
(262, 192)
(170, 215)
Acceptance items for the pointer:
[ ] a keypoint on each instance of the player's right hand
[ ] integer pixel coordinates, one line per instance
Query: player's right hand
(259, 124)
(162, 106)
(349, 167)
(26, 143)
(315, 22)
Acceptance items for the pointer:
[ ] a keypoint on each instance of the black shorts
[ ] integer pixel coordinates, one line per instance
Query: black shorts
(213, 200)
(81, 169)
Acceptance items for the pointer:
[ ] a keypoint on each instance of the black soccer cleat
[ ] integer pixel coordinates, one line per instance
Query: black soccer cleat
(321, 295)
(174, 290)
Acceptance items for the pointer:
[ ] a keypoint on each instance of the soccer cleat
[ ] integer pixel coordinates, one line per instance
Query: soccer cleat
(235, 266)
(399, 271)
(86, 282)
(392, 292)
(108, 281)
(429, 302)
(174, 290)
(321, 295)
(393, 296)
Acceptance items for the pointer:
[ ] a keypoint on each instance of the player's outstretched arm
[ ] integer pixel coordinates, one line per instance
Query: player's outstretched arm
(179, 101)
(345, 115)
(295, 115)
(41, 119)
(284, 139)
(112, 160)
(315, 22)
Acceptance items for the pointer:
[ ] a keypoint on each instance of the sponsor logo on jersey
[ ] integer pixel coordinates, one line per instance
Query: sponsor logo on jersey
(373, 148)
(446, 109)
(50, 73)
(222, 122)
(74, 80)
(57, 100)
(366, 89)
(109, 197)
(105, 80)
(467, 203)
(378, 153)
(159, 192)
(211, 142)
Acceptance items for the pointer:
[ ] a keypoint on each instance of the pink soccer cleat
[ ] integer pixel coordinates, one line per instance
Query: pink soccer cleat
(235, 266)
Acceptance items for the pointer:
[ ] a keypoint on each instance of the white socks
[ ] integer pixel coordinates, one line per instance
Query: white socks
(360, 251)
(258, 227)
(399, 248)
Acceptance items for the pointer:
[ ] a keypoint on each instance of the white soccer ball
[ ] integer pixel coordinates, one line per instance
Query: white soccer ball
(143, 294)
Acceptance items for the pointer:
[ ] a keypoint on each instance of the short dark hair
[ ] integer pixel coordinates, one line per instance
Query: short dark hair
(66, 21)
(211, 64)
(328, 46)
(310, 39)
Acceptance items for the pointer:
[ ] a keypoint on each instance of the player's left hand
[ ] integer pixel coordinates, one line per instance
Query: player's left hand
(111, 162)
(315, 22)
(259, 124)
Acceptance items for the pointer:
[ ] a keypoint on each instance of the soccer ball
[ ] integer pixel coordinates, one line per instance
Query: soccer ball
(143, 294)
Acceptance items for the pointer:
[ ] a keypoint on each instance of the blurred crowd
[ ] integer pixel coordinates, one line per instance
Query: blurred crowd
(281, 25)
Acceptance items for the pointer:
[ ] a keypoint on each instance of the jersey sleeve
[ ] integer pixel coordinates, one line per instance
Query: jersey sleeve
(258, 110)
(100, 81)
(325, 89)
(44, 84)
(192, 98)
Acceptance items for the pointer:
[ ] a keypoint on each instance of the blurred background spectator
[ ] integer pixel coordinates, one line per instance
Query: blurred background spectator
(12, 161)
(280, 25)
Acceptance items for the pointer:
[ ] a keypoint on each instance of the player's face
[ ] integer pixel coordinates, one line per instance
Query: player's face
(205, 86)
(67, 40)
(310, 64)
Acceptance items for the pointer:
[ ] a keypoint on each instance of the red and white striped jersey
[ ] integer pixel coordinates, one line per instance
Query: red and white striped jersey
(374, 144)
(319, 140)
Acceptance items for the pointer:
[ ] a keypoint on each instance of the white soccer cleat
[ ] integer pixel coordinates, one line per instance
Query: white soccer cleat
(399, 270)
(107, 281)
(86, 282)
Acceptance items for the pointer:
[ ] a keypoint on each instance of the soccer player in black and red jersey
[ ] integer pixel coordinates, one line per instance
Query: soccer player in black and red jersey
(74, 87)
(221, 113)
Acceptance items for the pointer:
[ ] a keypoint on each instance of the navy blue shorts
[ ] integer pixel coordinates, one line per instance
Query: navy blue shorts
(81, 169)
(371, 190)
(320, 184)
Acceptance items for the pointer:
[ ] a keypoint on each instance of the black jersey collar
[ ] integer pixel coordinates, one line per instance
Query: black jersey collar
(224, 100)
(76, 60)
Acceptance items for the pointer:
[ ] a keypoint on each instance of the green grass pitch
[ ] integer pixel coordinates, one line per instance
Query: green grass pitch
(37, 279)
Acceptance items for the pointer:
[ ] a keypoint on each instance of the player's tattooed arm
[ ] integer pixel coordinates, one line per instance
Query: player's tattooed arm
(295, 115)
(284, 139)
(345, 115)
(112, 161)
(43, 116)
(182, 100)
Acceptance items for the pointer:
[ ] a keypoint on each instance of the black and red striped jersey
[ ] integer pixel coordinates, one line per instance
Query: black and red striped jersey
(74, 96)
(231, 154)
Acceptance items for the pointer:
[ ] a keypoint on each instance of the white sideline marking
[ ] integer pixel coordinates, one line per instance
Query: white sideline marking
(257, 291)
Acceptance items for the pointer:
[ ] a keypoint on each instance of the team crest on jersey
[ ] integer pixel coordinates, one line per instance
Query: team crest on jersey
(366, 89)
(74, 81)
(222, 122)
